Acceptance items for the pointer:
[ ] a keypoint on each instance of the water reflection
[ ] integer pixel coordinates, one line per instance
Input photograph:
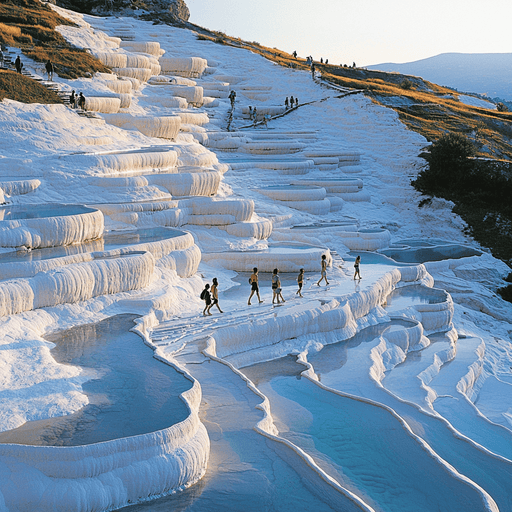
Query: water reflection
(130, 392)
(108, 242)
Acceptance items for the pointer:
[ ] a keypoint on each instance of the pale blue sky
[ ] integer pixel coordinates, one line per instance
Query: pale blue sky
(364, 31)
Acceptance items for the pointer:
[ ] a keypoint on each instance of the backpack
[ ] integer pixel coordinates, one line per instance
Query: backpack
(203, 294)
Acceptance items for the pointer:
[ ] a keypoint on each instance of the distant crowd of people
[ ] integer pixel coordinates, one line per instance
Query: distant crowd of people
(291, 103)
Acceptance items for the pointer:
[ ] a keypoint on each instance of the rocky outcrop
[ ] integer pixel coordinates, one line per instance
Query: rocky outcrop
(175, 9)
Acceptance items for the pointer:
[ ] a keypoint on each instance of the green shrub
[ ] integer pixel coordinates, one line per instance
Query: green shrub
(448, 164)
(406, 84)
(506, 292)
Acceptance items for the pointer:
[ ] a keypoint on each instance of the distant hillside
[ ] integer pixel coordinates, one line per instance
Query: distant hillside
(482, 73)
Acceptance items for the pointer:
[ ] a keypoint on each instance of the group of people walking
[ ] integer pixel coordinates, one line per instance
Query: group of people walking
(210, 294)
(19, 66)
(77, 100)
(290, 103)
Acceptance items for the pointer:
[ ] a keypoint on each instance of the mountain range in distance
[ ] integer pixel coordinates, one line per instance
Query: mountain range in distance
(489, 74)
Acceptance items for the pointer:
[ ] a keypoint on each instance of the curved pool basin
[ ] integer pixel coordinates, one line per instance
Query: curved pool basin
(129, 392)
(41, 211)
(419, 251)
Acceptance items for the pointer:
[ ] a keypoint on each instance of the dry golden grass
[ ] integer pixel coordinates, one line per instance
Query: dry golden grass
(425, 107)
(9, 30)
(30, 25)
(20, 88)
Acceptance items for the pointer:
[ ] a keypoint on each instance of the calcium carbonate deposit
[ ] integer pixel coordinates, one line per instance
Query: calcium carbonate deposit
(388, 390)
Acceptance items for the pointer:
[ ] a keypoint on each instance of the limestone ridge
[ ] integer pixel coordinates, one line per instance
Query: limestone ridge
(176, 9)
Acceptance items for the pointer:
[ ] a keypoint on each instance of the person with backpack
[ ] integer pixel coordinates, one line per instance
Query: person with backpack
(205, 295)
(214, 295)
(72, 99)
(255, 289)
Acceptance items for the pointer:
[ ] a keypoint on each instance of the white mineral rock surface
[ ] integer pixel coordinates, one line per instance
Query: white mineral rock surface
(389, 393)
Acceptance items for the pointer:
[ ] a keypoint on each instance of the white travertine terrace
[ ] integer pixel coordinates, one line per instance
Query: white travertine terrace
(171, 80)
(128, 163)
(171, 102)
(283, 166)
(215, 89)
(272, 148)
(320, 207)
(120, 86)
(60, 225)
(336, 202)
(165, 127)
(333, 320)
(134, 81)
(216, 86)
(19, 187)
(134, 60)
(77, 282)
(287, 257)
(162, 461)
(105, 105)
(150, 47)
(141, 74)
(260, 230)
(193, 94)
(188, 184)
(195, 118)
(294, 193)
(240, 209)
(174, 188)
(360, 196)
(209, 102)
(333, 185)
(349, 234)
(192, 67)
(112, 60)
(310, 199)
(178, 252)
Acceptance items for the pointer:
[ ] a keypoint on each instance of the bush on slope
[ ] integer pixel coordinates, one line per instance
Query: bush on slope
(480, 189)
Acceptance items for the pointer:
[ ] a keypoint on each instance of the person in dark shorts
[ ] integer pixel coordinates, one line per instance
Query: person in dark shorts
(300, 282)
(356, 268)
(255, 289)
(205, 295)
